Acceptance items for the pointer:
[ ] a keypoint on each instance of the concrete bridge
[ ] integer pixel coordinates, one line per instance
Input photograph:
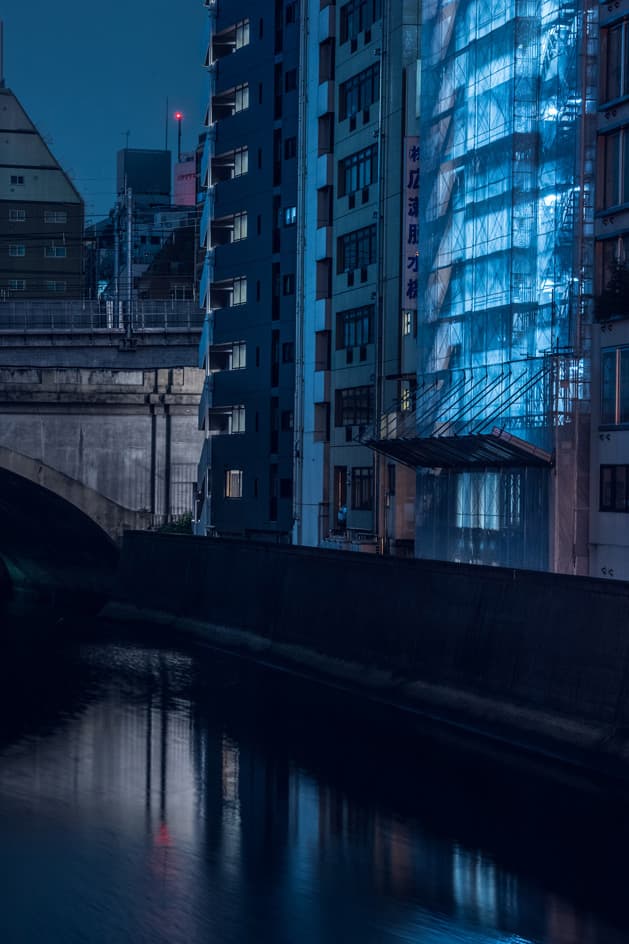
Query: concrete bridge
(101, 410)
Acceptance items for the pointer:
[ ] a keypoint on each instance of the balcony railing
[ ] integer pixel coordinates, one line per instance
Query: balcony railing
(99, 316)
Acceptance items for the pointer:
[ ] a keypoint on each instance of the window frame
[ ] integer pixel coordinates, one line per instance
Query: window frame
(618, 489)
(233, 484)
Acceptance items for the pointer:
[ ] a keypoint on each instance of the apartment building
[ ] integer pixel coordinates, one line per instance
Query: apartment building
(248, 286)
(41, 214)
(609, 492)
(356, 320)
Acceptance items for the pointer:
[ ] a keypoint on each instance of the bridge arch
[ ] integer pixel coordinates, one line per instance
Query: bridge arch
(110, 517)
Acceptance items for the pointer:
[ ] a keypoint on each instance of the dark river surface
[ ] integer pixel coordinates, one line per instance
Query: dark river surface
(155, 792)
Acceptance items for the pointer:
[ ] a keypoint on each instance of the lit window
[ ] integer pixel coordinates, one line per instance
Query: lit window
(55, 252)
(240, 226)
(406, 399)
(17, 216)
(239, 294)
(290, 216)
(242, 34)
(55, 216)
(241, 161)
(407, 322)
(17, 250)
(241, 97)
(238, 419)
(233, 483)
(478, 500)
(239, 355)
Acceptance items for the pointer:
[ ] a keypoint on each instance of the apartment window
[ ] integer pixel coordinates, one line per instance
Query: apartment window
(358, 170)
(356, 250)
(290, 216)
(406, 397)
(288, 284)
(478, 500)
(16, 249)
(239, 293)
(288, 352)
(56, 287)
(290, 80)
(359, 92)
(615, 167)
(241, 97)
(290, 148)
(17, 180)
(616, 63)
(407, 322)
(242, 34)
(614, 493)
(240, 226)
(17, 285)
(17, 216)
(615, 386)
(55, 252)
(233, 483)
(354, 406)
(238, 419)
(239, 356)
(358, 15)
(291, 13)
(241, 161)
(55, 216)
(354, 327)
(362, 489)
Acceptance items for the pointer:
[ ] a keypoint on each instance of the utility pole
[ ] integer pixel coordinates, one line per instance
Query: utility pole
(116, 319)
(129, 260)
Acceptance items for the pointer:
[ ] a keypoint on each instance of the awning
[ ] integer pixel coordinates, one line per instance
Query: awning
(497, 449)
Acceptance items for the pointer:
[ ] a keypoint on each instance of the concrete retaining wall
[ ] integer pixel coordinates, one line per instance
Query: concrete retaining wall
(538, 659)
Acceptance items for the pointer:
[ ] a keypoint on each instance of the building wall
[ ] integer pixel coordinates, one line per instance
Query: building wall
(248, 344)
(41, 214)
(609, 491)
(351, 321)
(507, 104)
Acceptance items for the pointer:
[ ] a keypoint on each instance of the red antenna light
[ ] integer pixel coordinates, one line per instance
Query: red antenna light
(178, 116)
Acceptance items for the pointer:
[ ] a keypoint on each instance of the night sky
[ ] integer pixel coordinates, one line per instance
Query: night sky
(86, 73)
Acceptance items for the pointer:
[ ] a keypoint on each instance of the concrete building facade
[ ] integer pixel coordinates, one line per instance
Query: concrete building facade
(356, 350)
(609, 492)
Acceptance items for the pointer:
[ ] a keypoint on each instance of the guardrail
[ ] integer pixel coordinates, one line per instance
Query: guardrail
(99, 316)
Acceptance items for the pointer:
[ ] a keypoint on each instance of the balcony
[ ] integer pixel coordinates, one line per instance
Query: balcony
(206, 400)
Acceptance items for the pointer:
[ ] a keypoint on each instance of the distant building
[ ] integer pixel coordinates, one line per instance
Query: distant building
(41, 213)
(146, 172)
(185, 190)
(160, 238)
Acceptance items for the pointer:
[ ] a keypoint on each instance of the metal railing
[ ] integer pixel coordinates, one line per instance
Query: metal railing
(103, 316)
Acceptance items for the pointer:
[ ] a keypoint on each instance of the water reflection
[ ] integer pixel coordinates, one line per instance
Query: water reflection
(162, 797)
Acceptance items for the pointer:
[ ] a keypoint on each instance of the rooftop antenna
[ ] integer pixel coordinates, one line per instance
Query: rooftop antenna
(1, 54)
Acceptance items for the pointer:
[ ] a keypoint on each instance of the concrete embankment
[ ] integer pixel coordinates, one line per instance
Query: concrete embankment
(538, 660)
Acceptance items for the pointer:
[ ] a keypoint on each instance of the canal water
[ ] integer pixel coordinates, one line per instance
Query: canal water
(152, 792)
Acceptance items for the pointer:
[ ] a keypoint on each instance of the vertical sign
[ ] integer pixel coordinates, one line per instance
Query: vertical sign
(410, 241)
